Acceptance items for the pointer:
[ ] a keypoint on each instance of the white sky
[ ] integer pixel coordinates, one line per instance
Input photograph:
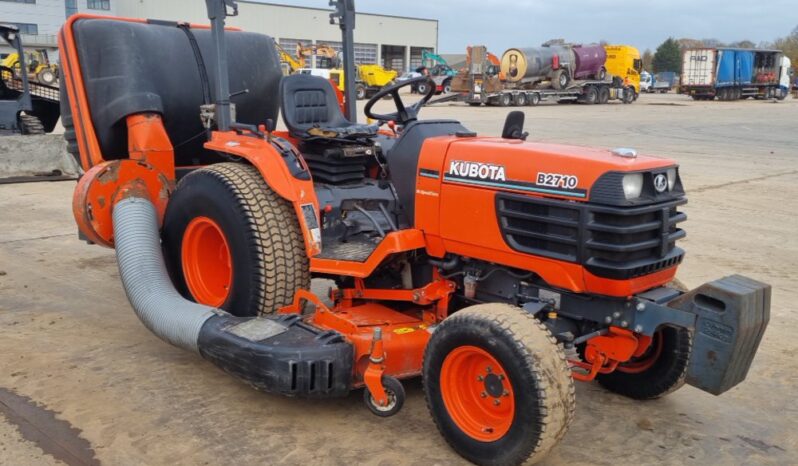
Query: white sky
(501, 24)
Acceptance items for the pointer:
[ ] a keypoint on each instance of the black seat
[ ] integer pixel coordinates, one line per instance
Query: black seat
(310, 110)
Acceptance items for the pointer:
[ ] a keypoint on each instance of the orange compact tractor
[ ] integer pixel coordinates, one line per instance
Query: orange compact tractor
(496, 269)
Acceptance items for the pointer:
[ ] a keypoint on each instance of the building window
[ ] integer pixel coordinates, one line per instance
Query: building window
(26, 28)
(71, 7)
(32, 2)
(98, 4)
(365, 54)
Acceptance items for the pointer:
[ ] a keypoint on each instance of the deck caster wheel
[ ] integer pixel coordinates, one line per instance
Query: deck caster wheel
(396, 398)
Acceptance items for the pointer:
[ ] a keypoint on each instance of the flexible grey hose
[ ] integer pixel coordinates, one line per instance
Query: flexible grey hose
(147, 284)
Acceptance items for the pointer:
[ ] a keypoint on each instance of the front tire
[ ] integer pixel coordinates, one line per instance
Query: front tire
(658, 372)
(498, 385)
(231, 242)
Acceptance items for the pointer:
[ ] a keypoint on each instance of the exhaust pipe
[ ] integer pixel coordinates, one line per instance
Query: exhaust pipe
(278, 355)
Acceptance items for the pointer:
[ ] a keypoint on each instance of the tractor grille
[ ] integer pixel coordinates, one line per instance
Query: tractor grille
(610, 242)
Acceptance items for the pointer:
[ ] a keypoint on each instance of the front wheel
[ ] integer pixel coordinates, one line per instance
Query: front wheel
(498, 385)
(660, 370)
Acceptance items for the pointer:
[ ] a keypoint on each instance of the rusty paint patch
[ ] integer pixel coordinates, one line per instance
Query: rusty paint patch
(55, 437)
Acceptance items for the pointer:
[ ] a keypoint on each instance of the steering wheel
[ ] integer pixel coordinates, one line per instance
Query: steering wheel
(403, 114)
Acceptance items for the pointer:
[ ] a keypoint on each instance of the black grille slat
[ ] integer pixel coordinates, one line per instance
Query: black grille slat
(612, 242)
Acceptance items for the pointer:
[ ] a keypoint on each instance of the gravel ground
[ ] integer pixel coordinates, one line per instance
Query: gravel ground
(74, 353)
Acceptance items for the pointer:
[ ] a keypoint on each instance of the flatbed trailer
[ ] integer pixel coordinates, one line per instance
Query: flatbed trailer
(583, 92)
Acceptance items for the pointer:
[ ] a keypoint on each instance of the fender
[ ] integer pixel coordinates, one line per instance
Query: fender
(266, 157)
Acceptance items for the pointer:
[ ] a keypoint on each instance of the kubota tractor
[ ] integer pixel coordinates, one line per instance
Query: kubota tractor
(498, 270)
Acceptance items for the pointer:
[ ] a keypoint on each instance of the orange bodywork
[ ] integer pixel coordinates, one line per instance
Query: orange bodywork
(460, 218)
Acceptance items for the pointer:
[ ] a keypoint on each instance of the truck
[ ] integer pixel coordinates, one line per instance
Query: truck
(734, 73)
(624, 62)
(663, 82)
(532, 75)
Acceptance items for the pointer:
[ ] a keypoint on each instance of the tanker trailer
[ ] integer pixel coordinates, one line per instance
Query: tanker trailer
(589, 62)
(532, 65)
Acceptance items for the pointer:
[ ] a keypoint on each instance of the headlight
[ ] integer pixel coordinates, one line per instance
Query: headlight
(632, 185)
(671, 178)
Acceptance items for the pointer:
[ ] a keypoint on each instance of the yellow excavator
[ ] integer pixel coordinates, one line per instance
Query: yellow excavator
(370, 79)
(38, 64)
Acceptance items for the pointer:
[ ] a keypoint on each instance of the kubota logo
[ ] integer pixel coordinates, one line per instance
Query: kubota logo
(660, 183)
(483, 171)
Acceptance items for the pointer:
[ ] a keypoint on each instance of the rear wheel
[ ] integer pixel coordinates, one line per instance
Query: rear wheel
(47, 76)
(520, 100)
(360, 92)
(505, 100)
(660, 370)
(30, 125)
(602, 74)
(591, 95)
(604, 95)
(447, 86)
(497, 385)
(534, 99)
(560, 79)
(231, 242)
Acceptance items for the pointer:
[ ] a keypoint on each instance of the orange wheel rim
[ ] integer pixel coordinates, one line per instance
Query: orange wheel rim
(207, 266)
(477, 393)
(647, 360)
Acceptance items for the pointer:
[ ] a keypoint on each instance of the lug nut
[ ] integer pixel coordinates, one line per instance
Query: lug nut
(608, 320)
(480, 378)
(489, 369)
(638, 328)
(483, 395)
(624, 324)
(501, 376)
(505, 393)
(496, 402)
(641, 307)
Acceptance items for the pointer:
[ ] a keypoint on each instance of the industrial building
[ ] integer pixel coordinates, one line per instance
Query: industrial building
(394, 42)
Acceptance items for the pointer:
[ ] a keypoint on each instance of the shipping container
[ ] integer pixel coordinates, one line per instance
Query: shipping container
(731, 73)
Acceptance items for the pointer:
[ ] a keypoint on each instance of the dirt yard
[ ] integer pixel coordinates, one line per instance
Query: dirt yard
(83, 382)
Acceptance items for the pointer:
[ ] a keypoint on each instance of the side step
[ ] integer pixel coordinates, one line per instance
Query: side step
(731, 316)
(279, 355)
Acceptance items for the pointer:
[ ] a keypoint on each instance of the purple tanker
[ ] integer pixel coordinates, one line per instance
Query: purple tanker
(558, 63)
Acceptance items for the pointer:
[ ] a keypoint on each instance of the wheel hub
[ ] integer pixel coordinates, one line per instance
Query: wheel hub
(477, 393)
(207, 264)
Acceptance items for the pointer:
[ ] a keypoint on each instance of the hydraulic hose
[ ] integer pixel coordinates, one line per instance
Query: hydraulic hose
(149, 289)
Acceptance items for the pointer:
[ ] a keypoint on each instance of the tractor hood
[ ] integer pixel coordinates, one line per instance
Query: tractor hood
(553, 170)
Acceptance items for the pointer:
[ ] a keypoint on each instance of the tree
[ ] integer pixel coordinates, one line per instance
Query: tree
(647, 58)
(789, 45)
(668, 56)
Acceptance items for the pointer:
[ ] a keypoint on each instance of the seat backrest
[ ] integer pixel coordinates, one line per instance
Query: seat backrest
(131, 67)
(309, 101)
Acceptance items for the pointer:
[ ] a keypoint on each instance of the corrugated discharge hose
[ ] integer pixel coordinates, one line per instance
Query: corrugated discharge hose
(154, 299)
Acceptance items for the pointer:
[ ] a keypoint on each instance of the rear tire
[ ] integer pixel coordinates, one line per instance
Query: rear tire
(498, 385)
(520, 100)
(534, 99)
(265, 247)
(47, 76)
(30, 125)
(360, 92)
(505, 100)
(604, 95)
(656, 373)
(591, 95)
(560, 79)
